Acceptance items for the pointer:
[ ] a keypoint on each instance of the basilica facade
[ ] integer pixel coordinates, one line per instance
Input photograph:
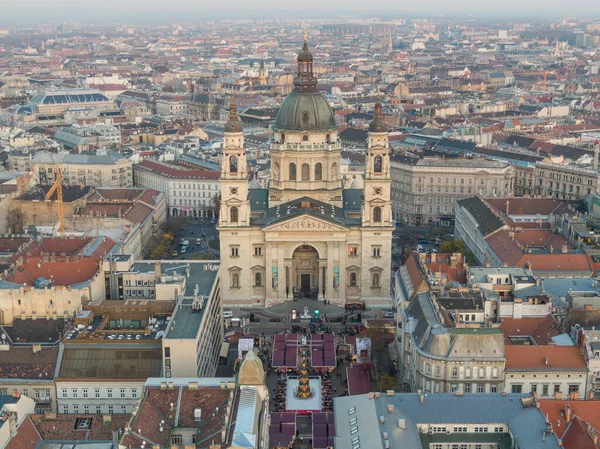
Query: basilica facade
(305, 236)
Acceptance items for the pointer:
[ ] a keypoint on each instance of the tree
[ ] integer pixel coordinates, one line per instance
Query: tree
(160, 251)
(386, 382)
(458, 246)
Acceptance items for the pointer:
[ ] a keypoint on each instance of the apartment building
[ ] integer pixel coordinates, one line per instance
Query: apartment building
(95, 170)
(438, 356)
(565, 181)
(440, 421)
(190, 193)
(167, 105)
(29, 371)
(84, 138)
(424, 191)
(546, 370)
(51, 278)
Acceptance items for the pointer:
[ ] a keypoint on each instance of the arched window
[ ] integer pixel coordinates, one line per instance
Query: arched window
(334, 171)
(375, 280)
(233, 215)
(377, 164)
(257, 279)
(468, 372)
(454, 372)
(233, 164)
(305, 138)
(305, 172)
(353, 279)
(318, 172)
(292, 172)
(377, 214)
(328, 138)
(282, 137)
(235, 280)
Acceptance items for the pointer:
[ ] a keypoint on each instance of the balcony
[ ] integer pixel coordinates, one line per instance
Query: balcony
(43, 399)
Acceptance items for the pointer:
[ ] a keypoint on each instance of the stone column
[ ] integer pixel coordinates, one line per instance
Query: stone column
(342, 258)
(330, 292)
(281, 249)
(322, 268)
(268, 273)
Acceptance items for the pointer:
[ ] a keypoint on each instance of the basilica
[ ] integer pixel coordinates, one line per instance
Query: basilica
(305, 236)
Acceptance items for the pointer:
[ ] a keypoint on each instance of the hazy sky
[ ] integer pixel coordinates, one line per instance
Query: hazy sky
(123, 11)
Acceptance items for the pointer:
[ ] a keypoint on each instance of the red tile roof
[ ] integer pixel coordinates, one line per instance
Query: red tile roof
(26, 437)
(63, 427)
(541, 329)
(577, 435)
(533, 358)
(505, 248)
(440, 263)
(556, 262)
(156, 411)
(588, 410)
(23, 363)
(525, 206)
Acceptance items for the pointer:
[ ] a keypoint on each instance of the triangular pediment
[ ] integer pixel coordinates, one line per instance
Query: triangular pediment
(304, 223)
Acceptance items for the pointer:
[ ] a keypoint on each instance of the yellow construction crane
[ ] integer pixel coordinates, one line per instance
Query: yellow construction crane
(57, 186)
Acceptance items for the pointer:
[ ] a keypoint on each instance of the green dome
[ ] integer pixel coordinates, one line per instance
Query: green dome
(305, 111)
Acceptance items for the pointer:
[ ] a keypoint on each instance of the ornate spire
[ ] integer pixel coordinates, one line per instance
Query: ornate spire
(378, 124)
(233, 125)
(233, 106)
(305, 79)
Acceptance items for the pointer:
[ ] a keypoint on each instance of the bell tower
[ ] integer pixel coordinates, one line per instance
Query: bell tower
(235, 207)
(377, 208)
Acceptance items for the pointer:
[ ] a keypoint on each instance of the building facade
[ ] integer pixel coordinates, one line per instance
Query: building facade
(564, 181)
(110, 170)
(443, 359)
(189, 193)
(424, 191)
(305, 236)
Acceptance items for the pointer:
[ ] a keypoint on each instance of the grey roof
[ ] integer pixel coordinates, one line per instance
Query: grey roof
(45, 157)
(471, 163)
(559, 288)
(352, 199)
(259, 199)
(6, 399)
(485, 218)
(525, 423)
(432, 338)
(316, 208)
(527, 429)
(244, 433)
(188, 320)
(305, 111)
(480, 273)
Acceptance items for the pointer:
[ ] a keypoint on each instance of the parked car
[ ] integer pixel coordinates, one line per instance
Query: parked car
(227, 314)
(389, 314)
(419, 248)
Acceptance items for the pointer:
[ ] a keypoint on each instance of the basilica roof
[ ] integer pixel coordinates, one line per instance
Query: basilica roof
(305, 108)
(301, 206)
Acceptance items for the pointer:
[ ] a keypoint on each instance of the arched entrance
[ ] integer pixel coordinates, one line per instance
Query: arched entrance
(305, 272)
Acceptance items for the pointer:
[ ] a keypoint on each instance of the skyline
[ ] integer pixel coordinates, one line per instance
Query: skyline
(137, 11)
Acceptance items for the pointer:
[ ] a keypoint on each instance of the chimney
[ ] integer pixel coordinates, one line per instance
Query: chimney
(507, 206)
(564, 249)
(157, 272)
(568, 413)
(558, 395)
(421, 398)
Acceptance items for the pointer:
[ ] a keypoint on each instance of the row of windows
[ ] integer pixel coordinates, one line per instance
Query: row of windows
(96, 393)
(93, 409)
(305, 172)
(573, 388)
(258, 280)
